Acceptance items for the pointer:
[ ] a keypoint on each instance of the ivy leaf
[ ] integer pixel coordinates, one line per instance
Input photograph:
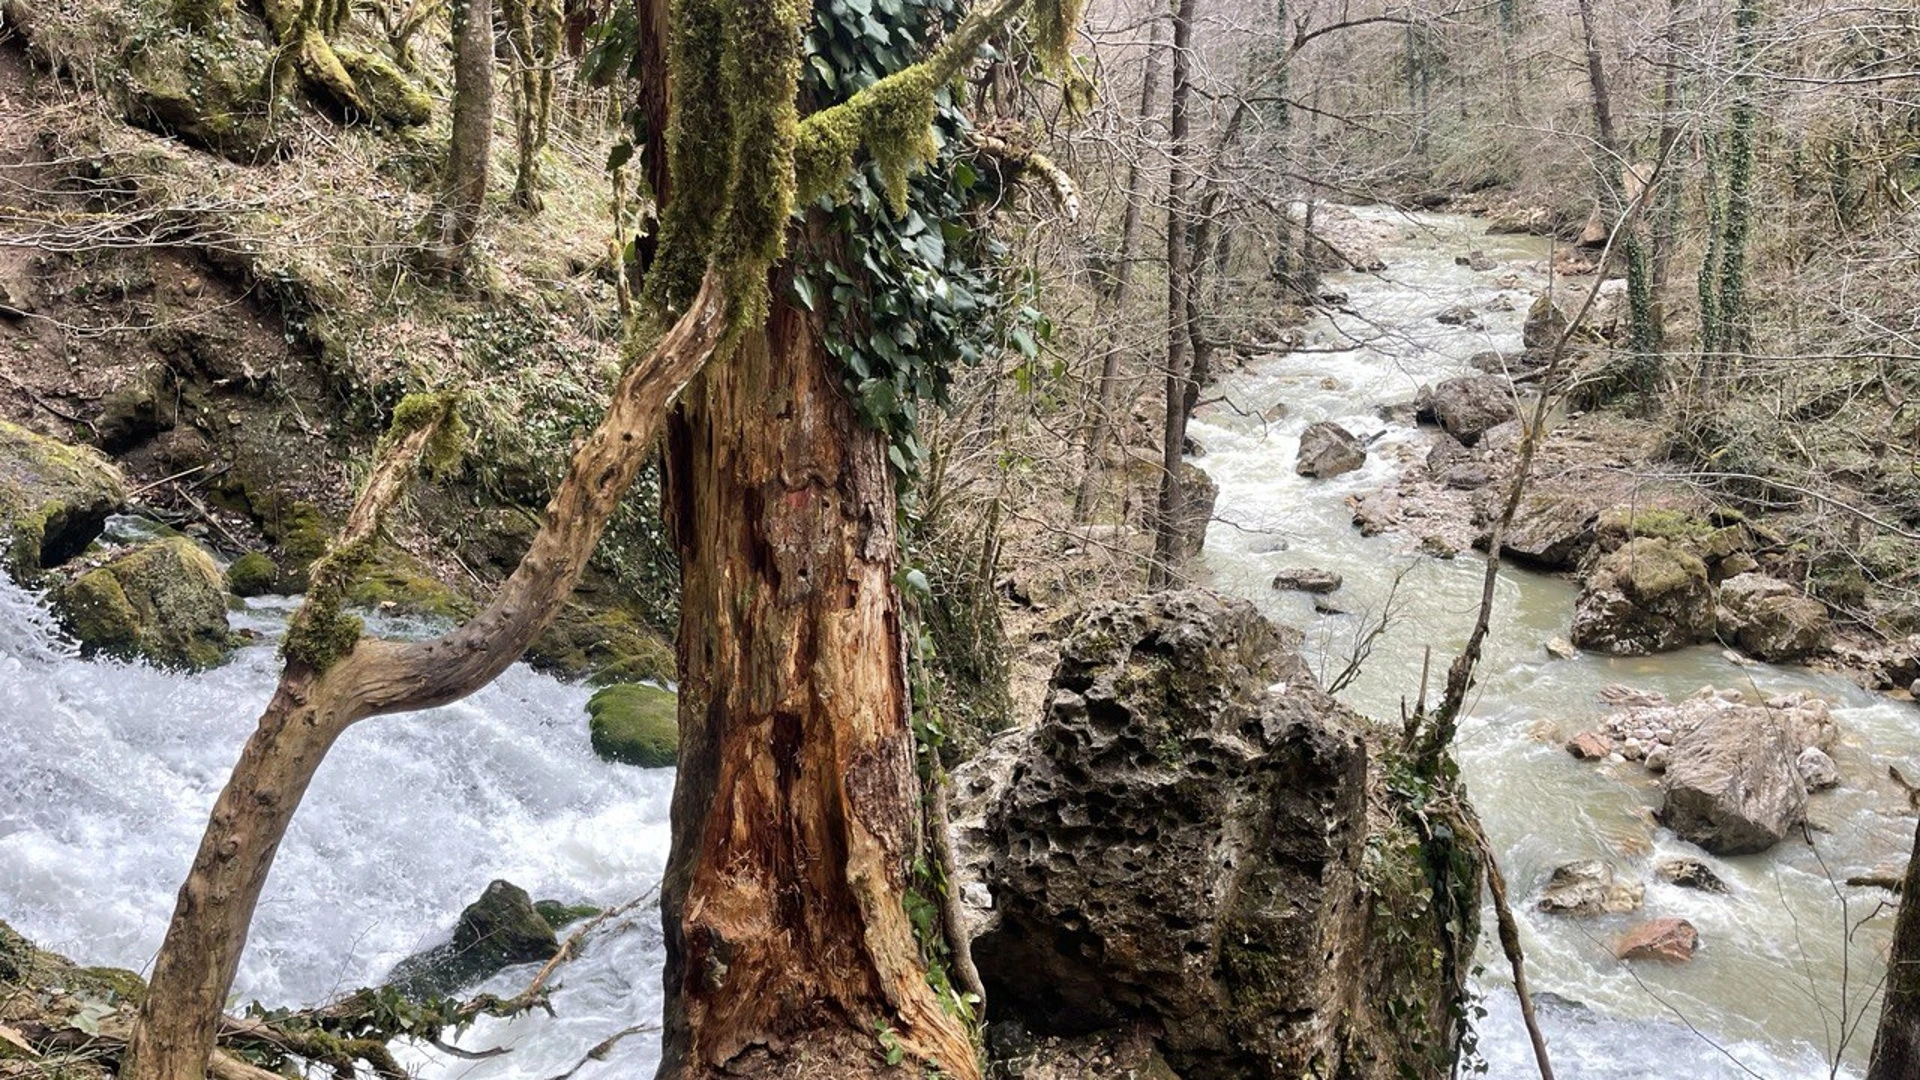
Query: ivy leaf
(1023, 341)
(803, 291)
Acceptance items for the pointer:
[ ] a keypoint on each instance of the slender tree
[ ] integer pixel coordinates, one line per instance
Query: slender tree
(470, 151)
(1179, 367)
(1896, 1046)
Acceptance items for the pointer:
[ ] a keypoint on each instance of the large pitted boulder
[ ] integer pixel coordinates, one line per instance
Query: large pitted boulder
(164, 600)
(497, 931)
(1179, 844)
(1649, 596)
(1771, 619)
(1468, 405)
(1733, 783)
(54, 500)
(1327, 449)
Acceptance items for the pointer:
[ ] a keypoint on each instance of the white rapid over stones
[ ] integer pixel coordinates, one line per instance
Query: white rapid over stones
(1767, 983)
(109, 771)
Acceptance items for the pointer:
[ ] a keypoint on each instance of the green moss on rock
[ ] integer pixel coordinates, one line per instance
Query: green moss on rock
(252, 574)
(393, 97)
(394, 581)
(208, 88)
(54, 500)
(163, 601)
(635, 724)
(560, 915)
(602, 645)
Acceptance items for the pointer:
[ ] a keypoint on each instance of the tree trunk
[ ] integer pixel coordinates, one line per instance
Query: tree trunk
(796, 807)
(1896, 1047)
(314, 703)
(1168, 514)
(1111, 306)
(470, 149)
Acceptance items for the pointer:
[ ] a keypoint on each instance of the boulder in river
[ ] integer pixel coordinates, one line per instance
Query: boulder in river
(1552, 527)
(164, 601)
(635, 724)
(1327, 449)
(1179, 845)
(1670, 939)
(1459, 315)
(1466, 406)
(1733, 784)
(1306, 579)
(1376, 511)
(1587, 887)
(1817, 770)
(1770, 619)
(497, 931)
(1589, 746)
(1650, 596)
(54, 500)
(1690, 874)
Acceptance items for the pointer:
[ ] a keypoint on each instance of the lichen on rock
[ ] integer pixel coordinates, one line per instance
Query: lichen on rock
(635, 724)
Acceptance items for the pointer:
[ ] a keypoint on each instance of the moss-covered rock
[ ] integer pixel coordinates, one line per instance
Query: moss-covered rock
(635, 724)
(394, 581)
(500, 929)
(54, 500)
(163, 601)
(394, 98)
(252, 574)
(560, 914)
(207, 88)
(1650, 596)
(602, 645)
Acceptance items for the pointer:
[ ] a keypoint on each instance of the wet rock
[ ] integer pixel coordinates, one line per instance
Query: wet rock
(252, 574)
(1476, 260)
(54, 500)
(635, 724)
(1589, 746)
(1306, 579)
(1561, 649)
(1690, 874)
(1733, 785)
(1327, 449)
(1771, 619)
(163, 601)
(1587, 887)
(1545, 324)
(559, 914)
(1453, 464)
(1650, 596)
(1470, 404)
(1459, 315)
(495, 932)
(1670, 939)
(1437, 546)
(1376, 512)
(1178, 846)
(1817, 770)
(1552, 527)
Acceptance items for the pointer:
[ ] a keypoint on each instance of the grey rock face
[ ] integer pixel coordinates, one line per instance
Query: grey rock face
(1327, 449)
(1733, 785)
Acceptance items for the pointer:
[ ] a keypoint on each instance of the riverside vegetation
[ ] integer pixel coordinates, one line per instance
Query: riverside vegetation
(854, 395)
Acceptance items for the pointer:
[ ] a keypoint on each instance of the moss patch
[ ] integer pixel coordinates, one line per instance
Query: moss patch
(560, 915)
(635, 724)
(602, 645)
(396, 581)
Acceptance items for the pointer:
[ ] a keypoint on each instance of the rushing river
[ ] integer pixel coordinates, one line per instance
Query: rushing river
(111, 769)
(1777, 980)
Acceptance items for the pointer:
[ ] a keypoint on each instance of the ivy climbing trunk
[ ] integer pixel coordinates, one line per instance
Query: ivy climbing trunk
(1112, 302)
(796, 807)
(1171, 504)
(1896, 1046)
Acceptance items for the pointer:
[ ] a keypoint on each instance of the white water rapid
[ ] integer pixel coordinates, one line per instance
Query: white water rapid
(109, 771)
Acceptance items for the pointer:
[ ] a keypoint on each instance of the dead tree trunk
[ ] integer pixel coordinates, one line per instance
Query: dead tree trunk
(795, 812)
(333, 680)
(471, 146)
(1168, 515)
(1112, 303)
(1896, 1046)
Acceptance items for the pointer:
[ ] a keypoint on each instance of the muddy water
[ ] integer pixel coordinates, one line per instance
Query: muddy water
(1779, 984)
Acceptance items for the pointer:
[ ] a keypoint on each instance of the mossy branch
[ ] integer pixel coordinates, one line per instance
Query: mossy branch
(1027, 159)
(426, 431)
(893, 118)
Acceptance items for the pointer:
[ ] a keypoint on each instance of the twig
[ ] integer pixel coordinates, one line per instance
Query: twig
(144, 488)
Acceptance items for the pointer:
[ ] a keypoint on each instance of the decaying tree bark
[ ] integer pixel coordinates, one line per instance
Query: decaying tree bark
(795, 817)
(333, 680)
